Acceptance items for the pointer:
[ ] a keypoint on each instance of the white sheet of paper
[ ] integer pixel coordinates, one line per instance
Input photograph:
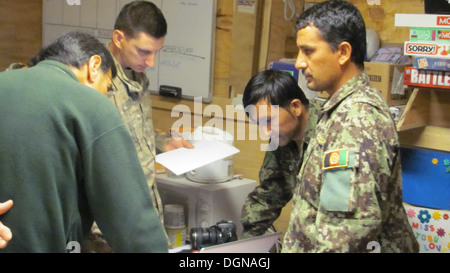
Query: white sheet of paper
(182, 160)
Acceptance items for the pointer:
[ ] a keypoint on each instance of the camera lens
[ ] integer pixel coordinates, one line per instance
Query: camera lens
(202, 236)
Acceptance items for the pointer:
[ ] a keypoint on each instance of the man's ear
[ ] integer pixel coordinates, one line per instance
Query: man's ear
(117, 38)
(296, 107)
(345, 50)
(94, 68)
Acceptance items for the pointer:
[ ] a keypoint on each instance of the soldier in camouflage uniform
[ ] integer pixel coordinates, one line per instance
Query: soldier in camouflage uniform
(277, 176)
(139, 35)
(132, 98)
(349, 194)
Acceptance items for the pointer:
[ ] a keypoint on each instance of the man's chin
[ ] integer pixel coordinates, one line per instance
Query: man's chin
(139, 69)
(280, 142)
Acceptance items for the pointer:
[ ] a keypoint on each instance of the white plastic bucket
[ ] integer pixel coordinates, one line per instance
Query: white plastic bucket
(215, 172)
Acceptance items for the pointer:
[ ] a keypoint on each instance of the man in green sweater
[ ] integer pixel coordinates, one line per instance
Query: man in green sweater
(66, 158)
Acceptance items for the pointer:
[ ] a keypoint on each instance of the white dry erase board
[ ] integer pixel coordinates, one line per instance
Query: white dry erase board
(187, 59)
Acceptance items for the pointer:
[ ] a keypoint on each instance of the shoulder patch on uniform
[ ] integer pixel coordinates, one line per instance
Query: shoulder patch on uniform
(335, 159)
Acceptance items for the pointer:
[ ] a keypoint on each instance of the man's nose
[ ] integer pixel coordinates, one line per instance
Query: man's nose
(266, 129)
(150, 60)
(299, 62)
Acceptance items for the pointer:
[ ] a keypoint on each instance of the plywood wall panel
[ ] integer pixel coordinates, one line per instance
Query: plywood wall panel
(381, 18)
(20, 30)
(224, 25)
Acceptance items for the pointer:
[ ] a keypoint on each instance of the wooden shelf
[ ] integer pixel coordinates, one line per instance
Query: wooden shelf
(417, 111)
(429, 137)
(425, 121)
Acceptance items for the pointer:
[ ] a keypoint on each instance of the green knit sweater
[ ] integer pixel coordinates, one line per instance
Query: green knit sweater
(66, 159)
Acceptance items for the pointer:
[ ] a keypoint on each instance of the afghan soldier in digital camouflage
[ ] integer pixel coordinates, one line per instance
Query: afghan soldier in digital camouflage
(349, 192)
(277, 181)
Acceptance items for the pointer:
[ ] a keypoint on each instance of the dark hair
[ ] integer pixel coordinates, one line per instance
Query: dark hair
(75, 49)
(141, 16)
(276, 86)
(338, 21)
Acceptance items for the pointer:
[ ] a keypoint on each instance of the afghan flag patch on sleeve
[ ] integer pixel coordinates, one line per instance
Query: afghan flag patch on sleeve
(335, 159)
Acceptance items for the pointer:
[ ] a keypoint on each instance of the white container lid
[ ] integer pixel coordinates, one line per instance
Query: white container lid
(209, 133)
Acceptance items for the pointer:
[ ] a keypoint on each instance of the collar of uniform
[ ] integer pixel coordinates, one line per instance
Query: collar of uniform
(314, 112)
(133, 86)
(58, 66)
(346, 90)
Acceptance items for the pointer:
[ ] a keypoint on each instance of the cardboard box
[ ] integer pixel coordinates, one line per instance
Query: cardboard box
(388, 78)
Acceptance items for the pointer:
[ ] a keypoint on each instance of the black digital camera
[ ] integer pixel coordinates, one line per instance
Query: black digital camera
(222, 232)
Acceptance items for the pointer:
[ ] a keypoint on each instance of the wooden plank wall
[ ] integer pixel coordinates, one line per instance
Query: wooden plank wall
(222, 65)
(245, 44)
(20, 30)
(381, 18)
(282, 37)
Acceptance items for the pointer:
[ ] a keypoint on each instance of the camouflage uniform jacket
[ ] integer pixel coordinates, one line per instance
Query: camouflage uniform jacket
(349, 191)
(277, 180)
(132, 98)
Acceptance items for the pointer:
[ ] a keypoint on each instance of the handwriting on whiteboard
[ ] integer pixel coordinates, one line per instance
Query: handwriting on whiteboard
(170, 63)
(187, 51)
(184, 3)
(74, 2)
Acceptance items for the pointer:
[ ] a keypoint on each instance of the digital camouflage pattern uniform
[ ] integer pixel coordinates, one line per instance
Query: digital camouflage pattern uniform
(277, 181)
(350, 189)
